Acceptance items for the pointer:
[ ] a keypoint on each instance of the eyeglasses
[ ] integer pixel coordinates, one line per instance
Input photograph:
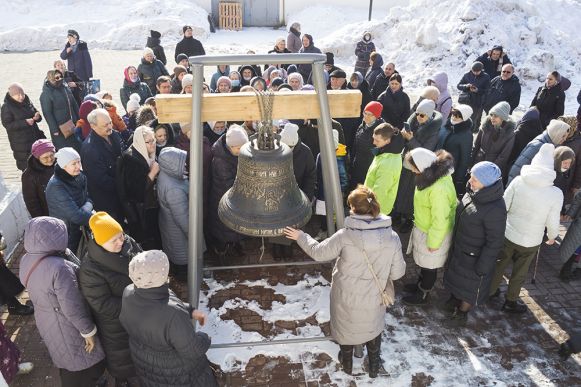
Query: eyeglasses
(421, 115)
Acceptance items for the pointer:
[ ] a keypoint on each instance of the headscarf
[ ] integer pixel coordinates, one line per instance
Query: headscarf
(139, 143)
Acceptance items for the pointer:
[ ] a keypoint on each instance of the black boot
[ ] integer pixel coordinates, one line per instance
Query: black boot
(452, 304)
(346, 358)
(17, 309)
(373, 353)
(122, 383)
(412, 287)
(516, 307)
(565, 351)
(406, 225)
(418, 298)
(566, 273)
(458, 319)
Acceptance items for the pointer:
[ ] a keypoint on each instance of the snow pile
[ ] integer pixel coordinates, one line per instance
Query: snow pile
(102, 24)
(426, 37)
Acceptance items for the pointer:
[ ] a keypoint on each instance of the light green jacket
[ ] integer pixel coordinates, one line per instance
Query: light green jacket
(383, 179)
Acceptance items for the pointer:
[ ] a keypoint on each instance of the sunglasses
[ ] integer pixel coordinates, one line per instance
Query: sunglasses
(421, 115)
(58, 78)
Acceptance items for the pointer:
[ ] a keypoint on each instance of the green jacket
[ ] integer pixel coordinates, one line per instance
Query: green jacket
(383, 179)
(435, 210)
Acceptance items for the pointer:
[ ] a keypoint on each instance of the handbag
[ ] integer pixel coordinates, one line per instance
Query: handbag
(68, 128)
(387, 294)
(464, 98)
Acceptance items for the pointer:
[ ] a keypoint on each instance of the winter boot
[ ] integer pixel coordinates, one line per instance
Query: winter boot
(358, 351)
(17, 309)
(516, 307)
(566, 273)
(452, 304)
(412, 287)
(373, 352)
(419, 298)
(565, 351)
(406, 225)
(458, 319)
(346, 358)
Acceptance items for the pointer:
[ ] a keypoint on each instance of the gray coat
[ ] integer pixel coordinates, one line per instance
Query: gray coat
(573, 236)
(527, 154)
(494, 145)
(357, 315)
(172, 194)
(61, 314)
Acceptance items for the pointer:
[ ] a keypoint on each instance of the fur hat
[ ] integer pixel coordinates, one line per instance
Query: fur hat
(375, 108)
(149, 269)
(290, 134)
(422, 157)
(65, 156)
(236, 136)
(133, 103)
(486, 172)
(427, 107)
(558, 131)
(104, 227)
(502, 110)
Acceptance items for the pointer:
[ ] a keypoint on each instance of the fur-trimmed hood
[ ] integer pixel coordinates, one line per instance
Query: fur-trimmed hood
(444, 165)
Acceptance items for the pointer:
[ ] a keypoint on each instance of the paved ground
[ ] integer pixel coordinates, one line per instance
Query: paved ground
(418, 348)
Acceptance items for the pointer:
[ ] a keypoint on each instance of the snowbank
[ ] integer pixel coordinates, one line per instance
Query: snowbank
(103, 24)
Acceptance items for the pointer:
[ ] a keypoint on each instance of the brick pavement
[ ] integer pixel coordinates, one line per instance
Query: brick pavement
(506, 342)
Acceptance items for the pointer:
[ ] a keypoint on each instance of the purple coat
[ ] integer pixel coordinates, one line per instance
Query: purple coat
(61, 314)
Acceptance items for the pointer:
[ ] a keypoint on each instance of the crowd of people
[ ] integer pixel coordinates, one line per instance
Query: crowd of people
(460, 178)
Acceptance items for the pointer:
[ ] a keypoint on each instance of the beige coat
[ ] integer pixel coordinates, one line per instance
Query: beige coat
(357, 315)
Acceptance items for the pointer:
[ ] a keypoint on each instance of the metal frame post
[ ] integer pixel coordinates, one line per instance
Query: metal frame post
(333, 196)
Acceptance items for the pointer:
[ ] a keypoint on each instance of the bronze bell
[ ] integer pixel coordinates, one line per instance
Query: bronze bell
(265, 197)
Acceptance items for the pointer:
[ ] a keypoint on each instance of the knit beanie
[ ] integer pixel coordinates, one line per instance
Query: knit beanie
(40, 147)
(185, 28)
(558, 131)
(181, 57)
(486, 172)
(133, 103)
(501, 110)
(276, 82)
(187, 80)
(477, 66)
(290, 134)
(330, 58)
(427, 107)
(236, 136)
(73, 33)
(65, 156)
(544, 157)
(374, 108)
(149, 269)
(222, 79)
(104, 227)
(465, 110)
(422, 157)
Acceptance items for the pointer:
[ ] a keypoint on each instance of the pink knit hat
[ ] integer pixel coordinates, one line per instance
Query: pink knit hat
(40, 147)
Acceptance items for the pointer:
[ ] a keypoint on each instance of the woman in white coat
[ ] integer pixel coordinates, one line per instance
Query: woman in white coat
(357, 313)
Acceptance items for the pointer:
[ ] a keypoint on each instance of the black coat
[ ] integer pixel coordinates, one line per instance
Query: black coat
(58, 106)
(481, 81)
(550, 102)
(458, 142)
(166, 349)
(10, 285)
(478, 239)
(129, 88)
(500, 90)
(102, 278)
(154, 43)
(99, 160)
(138, 199)
(190, 47)
(309, 134)
(304, 169)
(20, 135)
(526, 130)
(149, 72)
(396, 107)
(79, 61)
(381, 84)
(34, 181)
(492, 67)
(362, 152)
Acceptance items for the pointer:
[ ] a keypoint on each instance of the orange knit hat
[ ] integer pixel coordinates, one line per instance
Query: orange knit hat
(104, 227)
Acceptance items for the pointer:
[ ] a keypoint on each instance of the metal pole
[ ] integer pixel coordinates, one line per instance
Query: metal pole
(536, 265)
(260, 265)
(271, 342)
(370, 8)
(208, 60)
(333, 197)
(195, 232)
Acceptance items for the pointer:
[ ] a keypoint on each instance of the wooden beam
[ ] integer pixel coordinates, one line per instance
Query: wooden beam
(244, 106)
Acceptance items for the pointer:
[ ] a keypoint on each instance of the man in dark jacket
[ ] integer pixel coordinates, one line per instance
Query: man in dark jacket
(505, 87)
(77, 54)
(58, 107)
(154, 43)
(493, 61)
(99, 156)
(474, 85)
(165, 347)
(189, 45)
(382, 81)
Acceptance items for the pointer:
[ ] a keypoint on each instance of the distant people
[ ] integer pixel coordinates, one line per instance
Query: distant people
(456, 138)
(382, 81)
(102, 280)
(78, 56)
(176, 81)
(132, 85)
(550, 98)
(362, 149)
(357, 310)
(39, 170)
(67, 196)
(395, 102)
(60, 111)
(444, 102)
(154, 42)
(533, 204)
(505, 87)
(363, 50)
(20, 119)
(307, 48)
(221, 71)
(493, 61)
(188, 45)
(434, 213)
(473, 87)
(528, 127)
(375, 67)
(293, 39)
(150, 69)
(49, 272)
(495, 138)
(71, 79)
(478, 239)
(165, 347)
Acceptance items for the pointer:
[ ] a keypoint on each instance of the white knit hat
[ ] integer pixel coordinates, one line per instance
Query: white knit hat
(65, 156)
(236, 136)
(558, 131)
(149, 269)
(465, 110)
(133, 103)
(426, 107)
(422, 157)
(187, 80)
(290, 134)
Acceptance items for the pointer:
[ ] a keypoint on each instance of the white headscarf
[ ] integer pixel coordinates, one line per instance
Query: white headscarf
(140, 145)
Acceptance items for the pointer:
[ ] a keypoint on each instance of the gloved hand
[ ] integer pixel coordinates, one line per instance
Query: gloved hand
(88, 207)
